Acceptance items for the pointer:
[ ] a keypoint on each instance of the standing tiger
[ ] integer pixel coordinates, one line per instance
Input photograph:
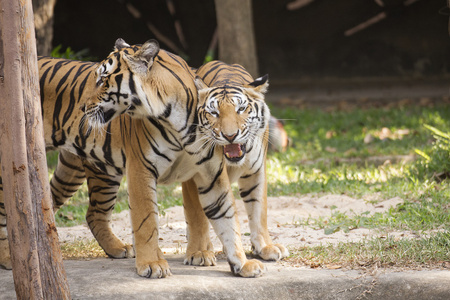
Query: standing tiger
(159, 144)
(234, 118)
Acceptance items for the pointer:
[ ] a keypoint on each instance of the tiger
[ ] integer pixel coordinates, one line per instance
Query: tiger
(134, 114)
(67, 87)
(233, 117)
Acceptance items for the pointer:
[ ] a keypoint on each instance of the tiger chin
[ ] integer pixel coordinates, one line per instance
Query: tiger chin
(234, 118)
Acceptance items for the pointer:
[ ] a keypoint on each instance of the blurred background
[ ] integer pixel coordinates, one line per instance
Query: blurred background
(295, 40)
(362, 86)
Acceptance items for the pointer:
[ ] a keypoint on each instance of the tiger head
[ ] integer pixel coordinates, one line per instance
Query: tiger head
(234, 117)
(128, 82)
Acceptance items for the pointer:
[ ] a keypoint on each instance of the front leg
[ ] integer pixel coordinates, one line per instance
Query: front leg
(253, 191)
(150, 261)
(218, 204)
(200, 251)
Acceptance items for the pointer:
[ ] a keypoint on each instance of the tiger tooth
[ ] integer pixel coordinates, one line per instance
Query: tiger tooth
(227, 155)
(240, 153)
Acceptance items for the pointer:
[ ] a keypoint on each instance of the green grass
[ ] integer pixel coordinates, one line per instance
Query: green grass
(384, 251)
(329, 156)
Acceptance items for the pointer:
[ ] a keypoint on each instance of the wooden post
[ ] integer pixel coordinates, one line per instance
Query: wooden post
(43, 23)
(37, 265)
(236, 34)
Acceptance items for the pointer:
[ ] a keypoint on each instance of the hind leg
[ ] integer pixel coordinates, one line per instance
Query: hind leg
(200, 251)
(69, 175)
(103, 190)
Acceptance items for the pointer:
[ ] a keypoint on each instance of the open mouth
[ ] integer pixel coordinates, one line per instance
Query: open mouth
(234, 152)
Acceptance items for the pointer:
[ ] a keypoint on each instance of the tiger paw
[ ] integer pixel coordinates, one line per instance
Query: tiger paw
(154, 269)
(126, 251)
(252, 268)
(5, 263)
(201, 258)
(273, 252)
(284, 251)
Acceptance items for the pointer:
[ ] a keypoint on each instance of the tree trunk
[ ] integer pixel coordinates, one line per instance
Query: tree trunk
(236, 35)
(35, 254)
(43, 22)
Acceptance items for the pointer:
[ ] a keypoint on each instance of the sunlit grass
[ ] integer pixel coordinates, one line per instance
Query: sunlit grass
(386, 251)
(333, 152)
(82, 249)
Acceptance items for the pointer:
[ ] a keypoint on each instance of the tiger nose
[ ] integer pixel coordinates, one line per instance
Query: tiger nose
(230, 138)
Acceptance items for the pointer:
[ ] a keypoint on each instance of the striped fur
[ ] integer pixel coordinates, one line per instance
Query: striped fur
(234, 118)
(134, 114)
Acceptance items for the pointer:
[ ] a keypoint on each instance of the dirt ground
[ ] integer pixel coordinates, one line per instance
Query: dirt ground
(284, 216)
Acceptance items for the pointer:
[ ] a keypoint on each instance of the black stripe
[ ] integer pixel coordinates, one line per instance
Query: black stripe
(66, 183)
(251, 200)
(69, 165)
(208, 157)
(107, 150)
(214, 208)
(203, 191)
(246, 193)
(63, 79)
(56, 68)
(189, 95)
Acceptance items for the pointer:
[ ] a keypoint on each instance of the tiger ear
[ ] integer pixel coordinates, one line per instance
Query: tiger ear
(200, 84)
(260, 85)
(120, 44)
(202, 89)
(142, 60)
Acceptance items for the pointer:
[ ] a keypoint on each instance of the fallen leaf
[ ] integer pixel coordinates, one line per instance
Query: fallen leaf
(333, 267)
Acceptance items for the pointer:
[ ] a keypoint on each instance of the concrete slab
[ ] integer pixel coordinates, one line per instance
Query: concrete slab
(116, 279)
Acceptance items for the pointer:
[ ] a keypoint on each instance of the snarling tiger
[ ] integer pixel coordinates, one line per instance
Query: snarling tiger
(159, 143)
(234, 118)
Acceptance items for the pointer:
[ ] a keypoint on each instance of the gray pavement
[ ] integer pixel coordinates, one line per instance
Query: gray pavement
(116, 279)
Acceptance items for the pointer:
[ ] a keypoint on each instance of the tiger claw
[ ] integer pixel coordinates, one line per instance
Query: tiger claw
(156, 269)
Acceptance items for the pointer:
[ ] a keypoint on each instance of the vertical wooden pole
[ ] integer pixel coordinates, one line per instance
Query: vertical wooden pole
(35, 254)
(236, 34)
